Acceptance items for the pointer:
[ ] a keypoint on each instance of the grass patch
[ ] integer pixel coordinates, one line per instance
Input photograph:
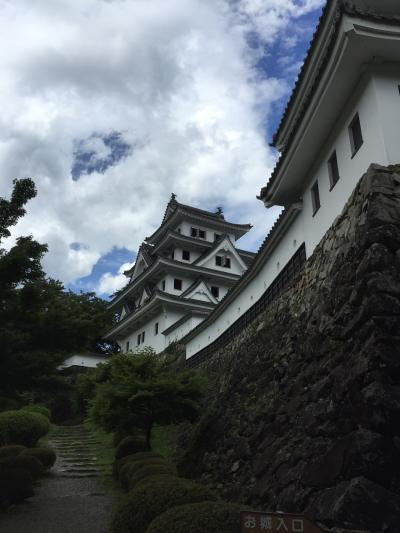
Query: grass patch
(163, 440)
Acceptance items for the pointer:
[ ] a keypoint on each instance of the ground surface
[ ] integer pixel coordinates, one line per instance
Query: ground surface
(72, 498)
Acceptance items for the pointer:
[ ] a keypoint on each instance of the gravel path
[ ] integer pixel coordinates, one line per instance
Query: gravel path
(72, 498)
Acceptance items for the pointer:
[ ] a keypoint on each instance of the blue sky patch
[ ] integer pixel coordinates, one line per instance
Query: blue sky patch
(98, 153)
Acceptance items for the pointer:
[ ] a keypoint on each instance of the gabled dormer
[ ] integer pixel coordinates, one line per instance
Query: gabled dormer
(223, 256)
(143, 261)
(199, 291)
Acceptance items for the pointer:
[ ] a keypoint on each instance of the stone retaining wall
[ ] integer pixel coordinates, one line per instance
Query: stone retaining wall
(304, 407)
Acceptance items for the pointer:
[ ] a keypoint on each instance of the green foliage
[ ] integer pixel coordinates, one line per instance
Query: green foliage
(119, 463)
(41, 409)
(11, 450)
(45, 455)
(21, 427)
(210, 517)
(137, 510)
(139, 390)
(132, 467)
(150, 470)
(16, 484)
(164, 440)
(130, 445)
(24, 462)
(40, 322)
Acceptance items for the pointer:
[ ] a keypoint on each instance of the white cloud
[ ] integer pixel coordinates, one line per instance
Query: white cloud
(176, 78)
(110, 283)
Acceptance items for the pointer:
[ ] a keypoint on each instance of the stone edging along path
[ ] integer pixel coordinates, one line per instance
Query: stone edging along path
(72, 497)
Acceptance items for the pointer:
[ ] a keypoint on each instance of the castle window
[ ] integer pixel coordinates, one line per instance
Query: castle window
(215, 292)
(193, 232)
(156, 328)
(178, 284)
(316, 204)
(127, 346)
(186, 255)
(163, 285)
(138, 339)
(217, 236)
(197, 232)
(333, 170)
(355, 133)
(202, 234)
(218, 260)
(223, 261)
(143, 336)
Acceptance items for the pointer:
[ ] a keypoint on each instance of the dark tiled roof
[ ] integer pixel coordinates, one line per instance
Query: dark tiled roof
(355, 7)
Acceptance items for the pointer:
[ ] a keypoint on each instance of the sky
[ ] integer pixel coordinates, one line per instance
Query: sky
(112, 105)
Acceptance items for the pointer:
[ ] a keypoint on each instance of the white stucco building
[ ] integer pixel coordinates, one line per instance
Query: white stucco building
(181, 273)
(343, 115)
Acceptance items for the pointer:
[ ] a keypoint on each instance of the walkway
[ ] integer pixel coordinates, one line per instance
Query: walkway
(72, 498)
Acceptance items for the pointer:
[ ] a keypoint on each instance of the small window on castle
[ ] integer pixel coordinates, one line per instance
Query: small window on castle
(127, 346)
(227, 262)
(173, 254)
(202, 234)
(138, 339)
(163, 285)
(356, 138)
(215, 292)
(178, 230)
(186, 255)
(316, 204)
(156, 328)
(193, 232)
(143, 336)
(333, 170)
(178, 284)
(217, 236)
(218, 260)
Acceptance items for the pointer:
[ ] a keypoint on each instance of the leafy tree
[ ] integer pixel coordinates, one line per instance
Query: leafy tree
(40, 322)
(139, 390)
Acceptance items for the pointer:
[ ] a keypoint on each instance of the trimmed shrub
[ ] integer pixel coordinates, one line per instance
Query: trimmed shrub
(16, 484)
(30, 464)
(11, 450)
(135, 513)
(41, 409)
(46, 456)
(22, 427)
(150, 470)
(119, 463)
(130, 445)
(133, 466)
(210, 517)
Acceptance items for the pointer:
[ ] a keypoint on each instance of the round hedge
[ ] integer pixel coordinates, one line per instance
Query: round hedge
(34, 408)
(30, 464)
(119, 463)
(46, 456)
(204, 517)
(150, 470)
(130, 445)
(146, 502)
(22, 427)
(133, 466)
(16, 484)
(12, 450)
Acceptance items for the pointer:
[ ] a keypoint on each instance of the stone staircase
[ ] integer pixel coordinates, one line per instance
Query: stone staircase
(76, 450)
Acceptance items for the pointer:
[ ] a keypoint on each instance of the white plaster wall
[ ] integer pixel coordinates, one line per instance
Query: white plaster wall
(157, 342)
(183, 329)
(388, 96)
(377, 128)
(86, 361)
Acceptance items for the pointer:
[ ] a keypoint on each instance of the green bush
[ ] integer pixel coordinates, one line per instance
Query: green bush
(11, 450)
(22, 427)
(137, 510)
(204, 517)
(150, 470)
(41, 409)
(130, 445)
(16, 484)
(30, 464)
(46, 456)
(133, 466)
(119, 463)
